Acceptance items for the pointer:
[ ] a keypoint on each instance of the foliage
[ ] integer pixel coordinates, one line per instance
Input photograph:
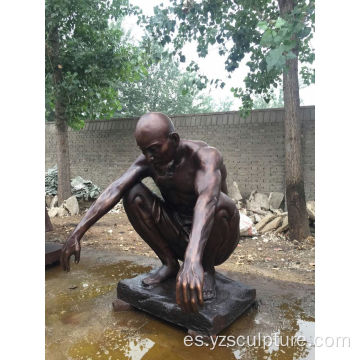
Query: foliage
(276, 101)
(237, 28)
(84, 189)
(51, 181)
(84, 42)
(221, 105)
(165, 89)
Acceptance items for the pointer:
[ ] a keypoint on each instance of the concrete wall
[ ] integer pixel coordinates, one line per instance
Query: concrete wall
(253, 148)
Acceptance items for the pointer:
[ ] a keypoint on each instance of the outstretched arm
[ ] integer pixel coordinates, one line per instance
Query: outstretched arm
(207, 186)
(106, 201)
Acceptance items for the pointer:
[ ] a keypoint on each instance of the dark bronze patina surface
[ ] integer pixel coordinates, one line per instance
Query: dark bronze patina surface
(232, 299)
(52, 253)
(195, 221)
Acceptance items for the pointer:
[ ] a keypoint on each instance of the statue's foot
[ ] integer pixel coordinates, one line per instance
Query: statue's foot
(209, 291)
(163, 273)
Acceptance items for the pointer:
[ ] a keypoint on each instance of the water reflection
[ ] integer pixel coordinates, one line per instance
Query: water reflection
(80, 323)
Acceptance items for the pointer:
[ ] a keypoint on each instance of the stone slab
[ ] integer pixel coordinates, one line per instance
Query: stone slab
(53, 212)
(72, 205)
(119, 305)
(232, 299)
(275, 200)
(236, 195)
(310, 207)
(262, 201)
(52, 252)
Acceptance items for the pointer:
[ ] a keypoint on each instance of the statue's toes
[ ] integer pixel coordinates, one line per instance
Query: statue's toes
(148, 281)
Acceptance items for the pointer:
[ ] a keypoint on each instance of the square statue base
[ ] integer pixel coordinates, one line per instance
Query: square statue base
(232, 300)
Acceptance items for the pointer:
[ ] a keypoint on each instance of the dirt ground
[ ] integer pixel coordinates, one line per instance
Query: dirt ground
(268, 255)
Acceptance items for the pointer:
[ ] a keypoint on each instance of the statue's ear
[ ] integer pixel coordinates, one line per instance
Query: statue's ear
(175, 138)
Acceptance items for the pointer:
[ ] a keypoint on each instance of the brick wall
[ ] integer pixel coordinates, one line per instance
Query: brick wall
(253, 148)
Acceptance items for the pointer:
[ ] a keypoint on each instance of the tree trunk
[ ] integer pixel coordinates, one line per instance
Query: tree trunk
(62, 143)
(62, 153)
(294, 179)
(48, 224)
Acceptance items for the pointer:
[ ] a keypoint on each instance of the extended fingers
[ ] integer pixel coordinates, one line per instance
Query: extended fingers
(63, 258)
(178, 292)
(199, 292)
(182, 292)
(193, 297)
(77, 252)
(67, 260)
(185, 293)
(189, 293)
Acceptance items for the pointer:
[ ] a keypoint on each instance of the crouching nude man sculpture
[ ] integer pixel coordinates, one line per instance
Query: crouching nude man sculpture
(195, 222)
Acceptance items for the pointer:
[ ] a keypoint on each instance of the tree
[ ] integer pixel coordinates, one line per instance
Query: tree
(48, 224)
(84, 56)
(165, 88)
(276, 101)
(276, 35)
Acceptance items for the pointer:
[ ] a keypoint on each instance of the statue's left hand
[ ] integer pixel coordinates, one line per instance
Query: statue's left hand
(71, 247)
(189, 284)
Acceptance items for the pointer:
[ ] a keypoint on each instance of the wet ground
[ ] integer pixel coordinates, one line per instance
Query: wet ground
(80, 322)
(265, 255)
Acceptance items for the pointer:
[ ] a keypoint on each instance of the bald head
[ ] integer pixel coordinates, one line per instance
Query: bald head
(151, 126)
(156, 137)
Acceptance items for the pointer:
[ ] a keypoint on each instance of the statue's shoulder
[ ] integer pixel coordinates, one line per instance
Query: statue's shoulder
(202, 150)
(193, 145)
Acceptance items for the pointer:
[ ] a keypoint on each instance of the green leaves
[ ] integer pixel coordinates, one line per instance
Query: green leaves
(275, 59)
(239, 28)
(184, 92)
(262, 25)
(165, 88)
(268, 38)
(281, 37)
(93, 55)
(304, 32)
(280, 22)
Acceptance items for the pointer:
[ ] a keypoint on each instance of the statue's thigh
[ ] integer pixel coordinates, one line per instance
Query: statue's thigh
(170, 229)
(145, 209)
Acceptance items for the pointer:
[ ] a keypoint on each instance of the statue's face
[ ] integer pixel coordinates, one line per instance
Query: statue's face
(158, 151)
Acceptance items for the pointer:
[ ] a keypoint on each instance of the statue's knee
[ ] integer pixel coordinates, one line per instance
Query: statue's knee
(133, 196)
(222, 214)
(137, 200)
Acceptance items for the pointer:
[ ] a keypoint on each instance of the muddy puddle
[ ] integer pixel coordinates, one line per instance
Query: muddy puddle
(80, 322)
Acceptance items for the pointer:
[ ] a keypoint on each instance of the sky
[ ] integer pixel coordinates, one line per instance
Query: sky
(213, 65)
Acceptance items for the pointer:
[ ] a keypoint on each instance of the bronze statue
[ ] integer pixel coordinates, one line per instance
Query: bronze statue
(195, 222)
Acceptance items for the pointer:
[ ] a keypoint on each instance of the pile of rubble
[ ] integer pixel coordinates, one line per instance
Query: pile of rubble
(81, 188)
(69, 207)
(266, 211)
(118, 208)
(84, 189)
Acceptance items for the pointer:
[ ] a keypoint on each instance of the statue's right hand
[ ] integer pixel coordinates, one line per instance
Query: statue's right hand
(71, 247)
